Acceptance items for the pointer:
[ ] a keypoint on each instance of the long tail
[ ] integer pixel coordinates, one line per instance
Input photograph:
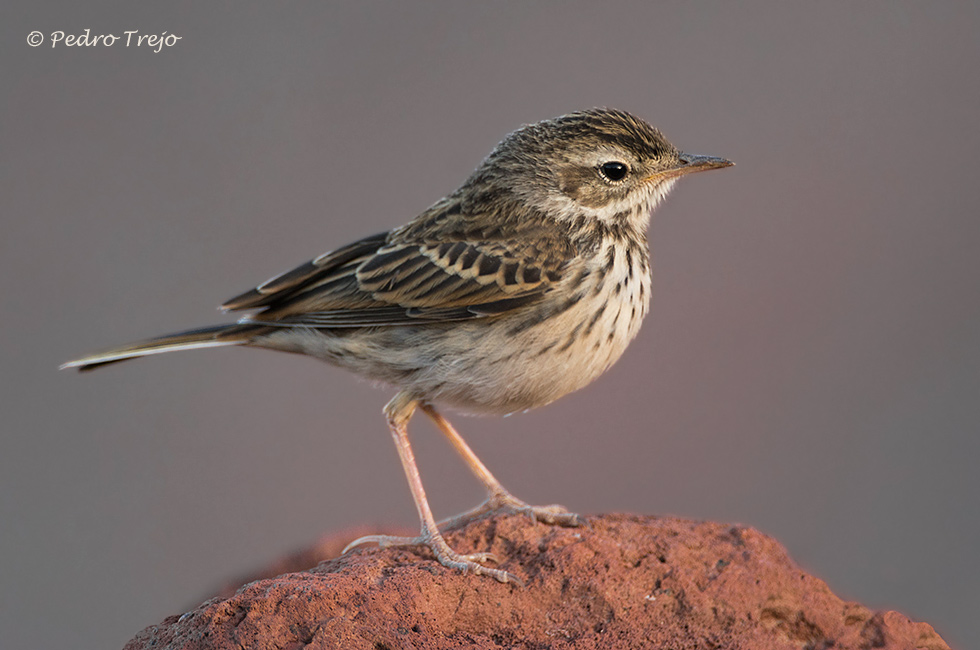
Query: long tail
(205, 337)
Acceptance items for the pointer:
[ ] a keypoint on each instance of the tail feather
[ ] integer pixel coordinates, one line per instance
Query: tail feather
(205, 337)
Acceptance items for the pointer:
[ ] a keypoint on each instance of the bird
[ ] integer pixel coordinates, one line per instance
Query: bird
(523, 285)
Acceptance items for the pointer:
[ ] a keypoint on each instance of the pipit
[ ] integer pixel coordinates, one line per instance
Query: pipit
(523, 285)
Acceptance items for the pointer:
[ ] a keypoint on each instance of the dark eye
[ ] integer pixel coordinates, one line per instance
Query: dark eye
(614, 170)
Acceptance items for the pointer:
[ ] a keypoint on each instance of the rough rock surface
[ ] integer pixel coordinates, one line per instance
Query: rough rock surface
(626, 582)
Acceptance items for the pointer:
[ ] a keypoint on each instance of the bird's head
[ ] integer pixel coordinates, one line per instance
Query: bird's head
(601, 163)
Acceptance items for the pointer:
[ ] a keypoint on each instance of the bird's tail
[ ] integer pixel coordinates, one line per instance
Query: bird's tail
(205, 337)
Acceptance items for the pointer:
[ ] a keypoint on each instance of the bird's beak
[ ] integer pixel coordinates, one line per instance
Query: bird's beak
(688, 163)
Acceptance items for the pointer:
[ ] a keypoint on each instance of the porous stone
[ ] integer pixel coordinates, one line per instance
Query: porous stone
(624, 582)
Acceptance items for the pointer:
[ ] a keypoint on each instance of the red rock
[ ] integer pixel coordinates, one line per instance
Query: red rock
(628, 582)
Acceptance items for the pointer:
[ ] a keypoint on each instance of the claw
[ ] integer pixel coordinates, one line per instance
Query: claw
(383, 541)
(480, 558)
(555, 515)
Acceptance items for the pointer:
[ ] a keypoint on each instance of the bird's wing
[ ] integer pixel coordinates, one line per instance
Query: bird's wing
(412, 275)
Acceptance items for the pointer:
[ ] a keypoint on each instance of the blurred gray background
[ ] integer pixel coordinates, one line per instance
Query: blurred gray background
(810, 367)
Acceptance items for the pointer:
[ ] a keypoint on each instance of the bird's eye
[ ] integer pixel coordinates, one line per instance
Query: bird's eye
(614, 170)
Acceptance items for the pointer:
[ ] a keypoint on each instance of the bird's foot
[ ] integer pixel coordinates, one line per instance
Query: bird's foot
(505, 501)
(467, 563)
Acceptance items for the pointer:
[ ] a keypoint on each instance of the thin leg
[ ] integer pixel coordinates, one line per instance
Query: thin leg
(398, 411)
(498, 498)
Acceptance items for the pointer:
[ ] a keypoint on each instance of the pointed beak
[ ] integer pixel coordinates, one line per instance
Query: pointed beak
(688, 163)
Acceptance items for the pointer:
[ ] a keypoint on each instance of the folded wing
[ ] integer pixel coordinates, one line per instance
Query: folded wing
(400, 278)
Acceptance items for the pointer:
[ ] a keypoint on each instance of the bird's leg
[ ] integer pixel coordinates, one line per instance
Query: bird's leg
(498, 498)
(398, 411)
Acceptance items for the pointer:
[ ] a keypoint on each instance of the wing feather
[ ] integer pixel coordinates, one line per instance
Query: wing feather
(403, 277)
(323, 267)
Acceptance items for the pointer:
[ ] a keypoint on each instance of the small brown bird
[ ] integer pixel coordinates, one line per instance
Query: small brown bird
(523, 285)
